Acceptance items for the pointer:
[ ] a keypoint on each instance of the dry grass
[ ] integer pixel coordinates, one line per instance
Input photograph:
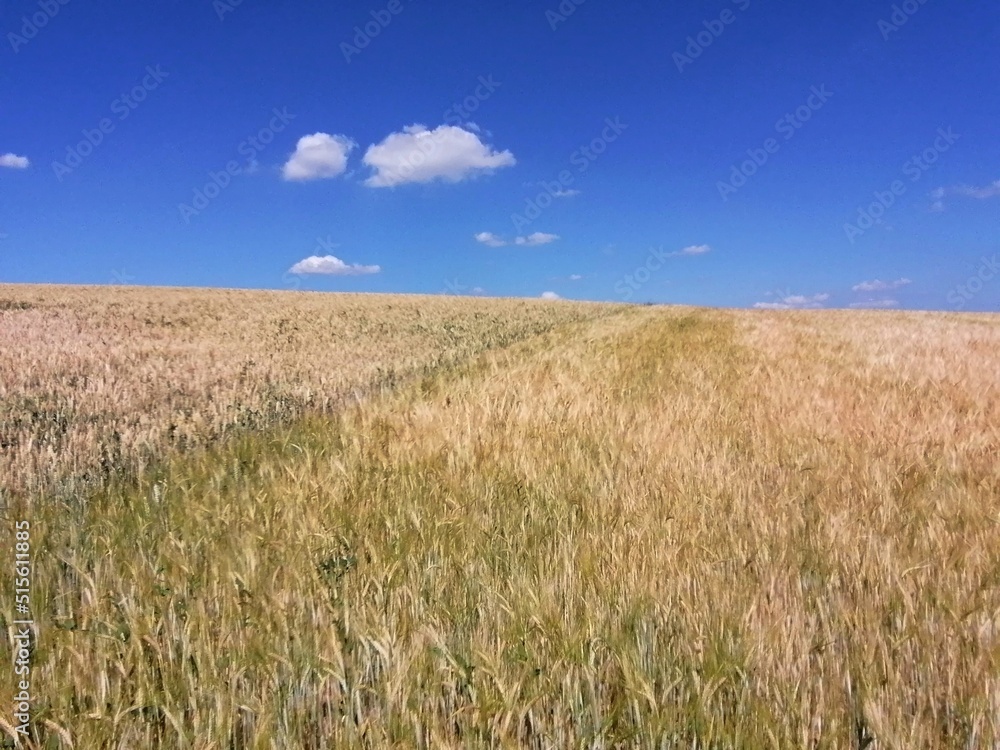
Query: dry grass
(100, 380)
(665, 528)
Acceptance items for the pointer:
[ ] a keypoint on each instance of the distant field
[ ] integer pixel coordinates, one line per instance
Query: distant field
(600, 527)
(100, 380)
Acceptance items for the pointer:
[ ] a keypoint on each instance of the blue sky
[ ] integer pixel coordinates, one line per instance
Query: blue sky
(725, 153)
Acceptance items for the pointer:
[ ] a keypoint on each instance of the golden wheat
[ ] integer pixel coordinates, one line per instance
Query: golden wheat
(101, 380)
(660, 528)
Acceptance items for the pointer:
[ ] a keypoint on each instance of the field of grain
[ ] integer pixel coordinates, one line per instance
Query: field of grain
(616, 527)
(97, 381)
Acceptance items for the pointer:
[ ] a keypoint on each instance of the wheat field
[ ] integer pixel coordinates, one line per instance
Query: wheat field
(543, 525)
(101, 380)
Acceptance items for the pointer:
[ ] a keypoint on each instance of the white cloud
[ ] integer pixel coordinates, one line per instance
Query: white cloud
(490, 239)
(876, 303)
(983, 193)
(879, 286)
(566, 193)
(694, 250)
(938, 195)
(795, 302)
(532, 240)
(318, 156)
(331, 266)
(965, 191)
(478, 290)
(417, 154)
(13, 161)
(575, 277)
(550, 295)
(689, 250)
(536, 238)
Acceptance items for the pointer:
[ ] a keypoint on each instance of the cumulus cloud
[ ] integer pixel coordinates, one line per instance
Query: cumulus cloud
(575, 277)
(318, 156)
(13, 161)
(329, 265)
(964, 191)
(794, 302)
(880, 286)
(416, 154)
(536, 238)
(550, 295)
(876, 303)
(490, 239)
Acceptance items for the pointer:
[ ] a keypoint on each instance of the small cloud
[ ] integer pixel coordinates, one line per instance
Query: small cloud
(331, 266)
(880, 286)
(979, 193)
(490, 239)
(876, 303)
(478, 290)
(416, 154)
(537, 238)
(693, 250)
(794, 302)
(938, 197)
(318, 156)
(559, 192)
(532, 240)
(575, 277)
(13, 161)
(964, 191)
(550, 295)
